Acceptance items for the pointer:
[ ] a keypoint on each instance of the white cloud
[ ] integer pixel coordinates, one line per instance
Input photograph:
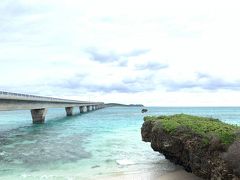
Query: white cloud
(44, 50)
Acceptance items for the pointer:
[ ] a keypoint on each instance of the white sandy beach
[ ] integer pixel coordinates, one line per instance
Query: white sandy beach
(175, 175)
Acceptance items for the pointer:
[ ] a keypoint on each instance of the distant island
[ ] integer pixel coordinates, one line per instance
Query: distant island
(125, 105)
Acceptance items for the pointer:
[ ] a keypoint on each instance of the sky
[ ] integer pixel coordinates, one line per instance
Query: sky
(152, 52)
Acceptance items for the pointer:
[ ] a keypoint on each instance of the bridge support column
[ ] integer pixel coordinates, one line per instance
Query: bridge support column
(93, 107)
(89, 108)
(38, 115)
(69, 111)
(82, 109)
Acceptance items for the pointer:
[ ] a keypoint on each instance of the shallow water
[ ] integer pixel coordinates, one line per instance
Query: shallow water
(102, 143)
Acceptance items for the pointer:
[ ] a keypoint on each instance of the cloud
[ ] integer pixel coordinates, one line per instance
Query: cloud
(11, 8)
(205, 82)
(136, 52)
(122, 63)
(115, 87)
(100, 88)
(21, 23)
(118, 87)
(81, 83)
(102, 57)
(203, 75)
(151, 66)
(117, 50)
(216, 84)
(106, 57)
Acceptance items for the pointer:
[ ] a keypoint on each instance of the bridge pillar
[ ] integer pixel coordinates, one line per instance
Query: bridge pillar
(93, 107)
(38, 115)
(69, 111)
(82, 109)
(89, 108)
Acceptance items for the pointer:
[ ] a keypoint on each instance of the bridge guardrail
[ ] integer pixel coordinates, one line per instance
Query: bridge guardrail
(10, 94)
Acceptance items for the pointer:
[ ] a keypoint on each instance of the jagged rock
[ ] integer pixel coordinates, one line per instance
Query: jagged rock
(212, 160)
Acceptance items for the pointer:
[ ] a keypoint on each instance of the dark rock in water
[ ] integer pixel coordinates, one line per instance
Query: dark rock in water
(144, 110)
(109, 160)
(211, 160)
(96, 166)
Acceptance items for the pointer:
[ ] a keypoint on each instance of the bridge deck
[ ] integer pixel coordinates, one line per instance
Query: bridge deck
(39, 104)
(16, 101)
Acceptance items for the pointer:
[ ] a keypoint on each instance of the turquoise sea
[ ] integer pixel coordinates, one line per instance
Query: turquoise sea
(103, 143)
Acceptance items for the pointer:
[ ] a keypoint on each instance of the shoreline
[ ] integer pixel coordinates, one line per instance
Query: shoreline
(179, 174)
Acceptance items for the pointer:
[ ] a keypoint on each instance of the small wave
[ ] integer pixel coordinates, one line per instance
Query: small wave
(2, 153)
(125, 162)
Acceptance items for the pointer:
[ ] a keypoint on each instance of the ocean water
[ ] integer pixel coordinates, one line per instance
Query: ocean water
(99, 144)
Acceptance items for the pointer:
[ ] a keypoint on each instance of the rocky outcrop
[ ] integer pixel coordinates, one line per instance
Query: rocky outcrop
(209, 160)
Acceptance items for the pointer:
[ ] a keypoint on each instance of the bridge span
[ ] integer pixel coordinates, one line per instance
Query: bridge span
(39, 104)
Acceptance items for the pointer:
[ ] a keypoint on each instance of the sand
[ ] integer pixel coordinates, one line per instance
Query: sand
(176, 175)
(179, 175)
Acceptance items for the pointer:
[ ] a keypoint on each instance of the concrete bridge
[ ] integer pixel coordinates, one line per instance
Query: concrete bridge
(39, 104)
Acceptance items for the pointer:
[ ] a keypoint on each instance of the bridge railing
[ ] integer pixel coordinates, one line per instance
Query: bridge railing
(10, 95)
(29, 96)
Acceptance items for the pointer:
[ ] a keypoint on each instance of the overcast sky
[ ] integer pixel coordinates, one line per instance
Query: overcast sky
(166, 53)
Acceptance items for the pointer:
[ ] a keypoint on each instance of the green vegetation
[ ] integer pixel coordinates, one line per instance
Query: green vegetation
(203, 126)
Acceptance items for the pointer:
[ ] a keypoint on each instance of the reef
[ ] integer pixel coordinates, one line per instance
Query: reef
(204, 146)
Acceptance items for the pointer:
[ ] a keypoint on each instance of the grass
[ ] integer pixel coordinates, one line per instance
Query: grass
(203, 126)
